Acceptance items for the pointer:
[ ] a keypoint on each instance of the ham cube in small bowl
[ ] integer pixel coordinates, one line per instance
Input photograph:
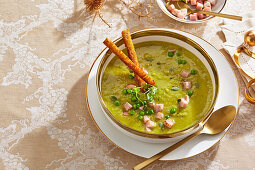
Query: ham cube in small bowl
(185, 16)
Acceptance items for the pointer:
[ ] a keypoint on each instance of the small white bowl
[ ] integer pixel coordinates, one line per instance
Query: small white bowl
(216, 8)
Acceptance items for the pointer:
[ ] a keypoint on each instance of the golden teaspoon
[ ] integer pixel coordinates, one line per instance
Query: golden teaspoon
(180, 5)
(217, 123)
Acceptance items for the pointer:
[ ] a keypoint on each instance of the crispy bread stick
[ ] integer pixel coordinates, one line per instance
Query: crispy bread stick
(131, 53)
(137, 70)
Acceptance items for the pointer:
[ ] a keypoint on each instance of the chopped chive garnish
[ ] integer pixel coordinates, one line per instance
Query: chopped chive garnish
(131, 76)
(113, 98)
(149, 59)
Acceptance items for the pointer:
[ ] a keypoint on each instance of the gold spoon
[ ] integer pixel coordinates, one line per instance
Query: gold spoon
(217, 123)
(180, 5)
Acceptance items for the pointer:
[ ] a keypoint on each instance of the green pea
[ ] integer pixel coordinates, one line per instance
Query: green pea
(129, 91)
(138, 105)
(140, 117)
(135, 106)
(178, 54)
(133, 99)
(167, 116)
(124, 91)
(178, 100)
(179, 61)
(172, 110)
(184, 61)
(170, 54)
(131, 71)
(131, 76)
(117, 103)
(132, 112)
(193, 72)
(141, 113)
(146, 112)
(190, 93)
(151, 112)
(144, 103)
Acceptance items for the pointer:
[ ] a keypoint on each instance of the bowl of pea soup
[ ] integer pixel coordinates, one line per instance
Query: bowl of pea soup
(184, 94)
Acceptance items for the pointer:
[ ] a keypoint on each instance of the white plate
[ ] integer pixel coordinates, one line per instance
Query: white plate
(228, 95)
(216, 8)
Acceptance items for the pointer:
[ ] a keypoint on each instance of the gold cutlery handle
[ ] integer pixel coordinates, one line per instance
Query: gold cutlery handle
(164, 152)
(239, 18)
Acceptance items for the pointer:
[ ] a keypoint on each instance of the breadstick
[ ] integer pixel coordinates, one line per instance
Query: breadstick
(137, 70)
(131, 53)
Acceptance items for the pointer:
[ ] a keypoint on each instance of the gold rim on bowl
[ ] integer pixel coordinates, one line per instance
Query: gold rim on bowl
(184, 20)
(144, 33)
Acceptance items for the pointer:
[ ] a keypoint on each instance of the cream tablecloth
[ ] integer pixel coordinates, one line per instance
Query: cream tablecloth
(46, 51)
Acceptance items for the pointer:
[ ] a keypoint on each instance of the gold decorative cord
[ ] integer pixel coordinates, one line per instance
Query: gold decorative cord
(247, 93)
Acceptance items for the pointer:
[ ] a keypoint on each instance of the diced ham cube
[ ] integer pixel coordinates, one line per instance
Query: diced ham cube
(207, 4)
(141, 107)
(208, 9)
(181, 15)
(184, 11)
(171, 7)
(185, 73)
(213, 2)
(148, 129)
(199, 6)
(193, 17)
(176, 12)
(151, 104)
(186, 85)
(184, 101)
(200, 16)
(150, 124)
(158, 107)
(127, 106)
(193, 2)
(186, 97)
(159, 115)
(146, 119)
(130, 86)
(125, 114)
(173, 51)
(169, 123)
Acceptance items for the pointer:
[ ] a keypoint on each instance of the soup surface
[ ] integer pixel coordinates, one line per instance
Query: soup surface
(170, 66)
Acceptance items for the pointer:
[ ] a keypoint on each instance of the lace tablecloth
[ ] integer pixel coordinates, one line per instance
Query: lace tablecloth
(46, 50)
